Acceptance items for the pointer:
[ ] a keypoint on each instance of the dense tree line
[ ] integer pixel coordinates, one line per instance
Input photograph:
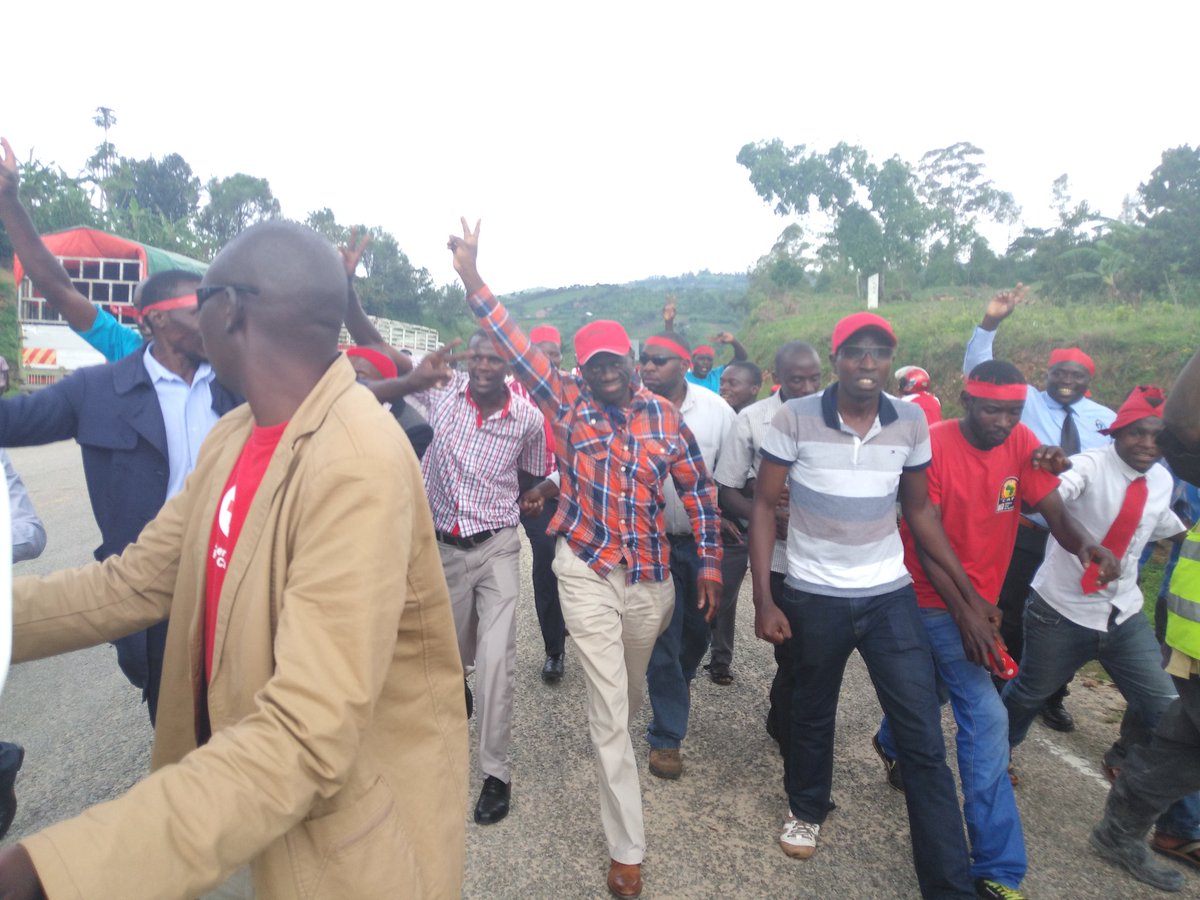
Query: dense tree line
(161, 202)
(920, 225)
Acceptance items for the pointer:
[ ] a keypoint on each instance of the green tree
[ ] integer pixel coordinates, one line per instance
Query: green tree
(55, 201)
(876, 219)
(234, 204)
(167, 186)
(957, 193)
(1169, 243)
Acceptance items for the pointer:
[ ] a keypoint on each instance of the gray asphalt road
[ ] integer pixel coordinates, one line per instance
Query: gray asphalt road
(713, 833)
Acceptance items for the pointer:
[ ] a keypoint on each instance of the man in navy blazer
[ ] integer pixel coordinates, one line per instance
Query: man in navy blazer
(117, 415)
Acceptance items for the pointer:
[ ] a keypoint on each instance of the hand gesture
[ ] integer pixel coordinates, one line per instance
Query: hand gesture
(710, 598)
(435, 369)
(770, 624)
(1109, 567)
(8, 169)
(730, 534)
(668, 313)
(978, 626)
(465, 248)
(725, 337)
(1001, 306)
(531, 503)
(1051, 459)
(353, 251)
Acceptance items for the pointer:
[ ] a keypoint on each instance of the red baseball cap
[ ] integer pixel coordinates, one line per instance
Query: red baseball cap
(857, 322)
(600, 336)
(542, 334)
(1144, 401)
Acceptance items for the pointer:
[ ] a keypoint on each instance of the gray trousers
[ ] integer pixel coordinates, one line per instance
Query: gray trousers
(733, 571)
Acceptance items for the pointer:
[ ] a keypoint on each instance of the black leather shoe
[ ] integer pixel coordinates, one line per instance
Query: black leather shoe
(470, 699)
(493, 801)
(553, 669)
(11, 757)
(1055, 716)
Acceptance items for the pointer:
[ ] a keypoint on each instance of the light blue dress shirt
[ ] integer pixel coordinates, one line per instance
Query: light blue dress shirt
(28, 532)
(1043, 414)
(188, 415)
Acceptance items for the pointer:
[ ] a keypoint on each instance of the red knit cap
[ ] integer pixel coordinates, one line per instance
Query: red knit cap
(542, 334)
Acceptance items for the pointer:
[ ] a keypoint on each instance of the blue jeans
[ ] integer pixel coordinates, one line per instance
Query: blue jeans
(888, 632)
(993, 824)
(1055, 647)
(677, 652)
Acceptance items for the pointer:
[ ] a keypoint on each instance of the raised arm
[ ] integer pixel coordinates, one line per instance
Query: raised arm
(739, 352)
(49, 278)
(999, 308)
(530, 365)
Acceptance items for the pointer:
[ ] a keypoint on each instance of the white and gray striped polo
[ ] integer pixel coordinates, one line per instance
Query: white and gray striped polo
(842, 538)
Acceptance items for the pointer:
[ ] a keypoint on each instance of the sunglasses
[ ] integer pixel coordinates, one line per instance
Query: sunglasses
(657, 360)
(854, 353)
(211, 290)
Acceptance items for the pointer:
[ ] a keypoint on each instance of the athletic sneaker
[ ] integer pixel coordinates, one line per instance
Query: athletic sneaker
(986, 889)
(799, 839)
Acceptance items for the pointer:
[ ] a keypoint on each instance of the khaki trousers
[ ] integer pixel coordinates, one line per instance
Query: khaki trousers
(614, 627)
(484, 583)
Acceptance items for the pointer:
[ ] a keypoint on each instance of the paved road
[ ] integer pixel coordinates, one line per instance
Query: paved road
(711, 834)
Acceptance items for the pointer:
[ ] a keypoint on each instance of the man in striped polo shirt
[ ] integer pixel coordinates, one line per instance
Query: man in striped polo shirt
(845, 455)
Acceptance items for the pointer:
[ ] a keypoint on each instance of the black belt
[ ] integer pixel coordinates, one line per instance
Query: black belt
(681, 538)
(466, 543)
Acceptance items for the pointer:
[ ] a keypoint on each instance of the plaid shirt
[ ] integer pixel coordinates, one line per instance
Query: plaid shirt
(471, 467)
(613, 464)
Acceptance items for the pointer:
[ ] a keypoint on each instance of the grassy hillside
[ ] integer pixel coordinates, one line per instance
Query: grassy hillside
(707, 303)
(1146, 344)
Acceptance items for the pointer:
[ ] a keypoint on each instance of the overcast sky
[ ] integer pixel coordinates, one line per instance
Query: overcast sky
(598, 141)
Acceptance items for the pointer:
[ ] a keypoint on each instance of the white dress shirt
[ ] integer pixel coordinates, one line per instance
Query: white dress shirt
(711, 419)
(1093, 490)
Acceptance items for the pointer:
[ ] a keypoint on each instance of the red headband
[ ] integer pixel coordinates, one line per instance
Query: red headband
(381, 361)
(704, 350)
(985, 390)
(668, 344)
(1073, 355)
(187, 301)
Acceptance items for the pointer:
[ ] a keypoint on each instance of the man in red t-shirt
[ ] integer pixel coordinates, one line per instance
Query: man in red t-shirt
(985, 466)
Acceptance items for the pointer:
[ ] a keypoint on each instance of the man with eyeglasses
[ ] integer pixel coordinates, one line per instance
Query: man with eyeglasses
(139, 422)
(680, 648)
(617, 445)
(845, 456)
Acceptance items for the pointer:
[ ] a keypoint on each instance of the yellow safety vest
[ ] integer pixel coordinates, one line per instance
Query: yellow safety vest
(1183, 598)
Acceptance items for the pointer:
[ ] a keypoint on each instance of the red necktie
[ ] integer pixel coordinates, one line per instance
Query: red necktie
(1120, 533)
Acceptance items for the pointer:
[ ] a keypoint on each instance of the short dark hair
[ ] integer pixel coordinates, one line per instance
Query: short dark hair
(166, 285)
(754, 371)
(997, 371)
(793, 348)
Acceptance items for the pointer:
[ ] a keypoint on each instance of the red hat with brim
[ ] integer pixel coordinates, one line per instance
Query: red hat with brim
(857, 322)
(601, 336)
(542, 334)
(1144, 402)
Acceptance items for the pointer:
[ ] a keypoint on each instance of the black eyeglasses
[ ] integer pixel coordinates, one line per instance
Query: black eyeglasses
(855, 353)
(657, 360)
(211, 290)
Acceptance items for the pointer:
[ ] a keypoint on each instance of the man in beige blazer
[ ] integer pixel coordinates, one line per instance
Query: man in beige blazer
(311, 720)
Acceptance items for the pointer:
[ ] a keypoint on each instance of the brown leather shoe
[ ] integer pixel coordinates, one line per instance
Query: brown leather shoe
(625, 879)
(666, 762)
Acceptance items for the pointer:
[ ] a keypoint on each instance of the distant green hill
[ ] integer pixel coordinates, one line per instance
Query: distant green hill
(706, 303)
(1146, 344)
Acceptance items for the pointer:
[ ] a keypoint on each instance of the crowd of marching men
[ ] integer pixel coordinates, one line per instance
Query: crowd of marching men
(305, 550)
